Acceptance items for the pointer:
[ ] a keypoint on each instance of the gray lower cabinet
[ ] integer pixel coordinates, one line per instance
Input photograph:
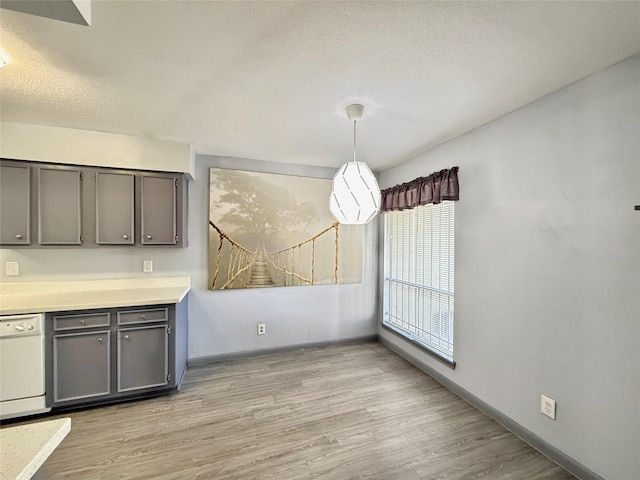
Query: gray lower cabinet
(106, 355)
(143, 357)
(81, 365)
(15, 204)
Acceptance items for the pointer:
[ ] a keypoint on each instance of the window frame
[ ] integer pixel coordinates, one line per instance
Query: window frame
(421, 287)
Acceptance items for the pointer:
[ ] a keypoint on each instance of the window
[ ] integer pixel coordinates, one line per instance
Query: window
(418, 276)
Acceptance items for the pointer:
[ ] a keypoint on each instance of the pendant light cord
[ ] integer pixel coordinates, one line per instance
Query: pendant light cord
(354, 141)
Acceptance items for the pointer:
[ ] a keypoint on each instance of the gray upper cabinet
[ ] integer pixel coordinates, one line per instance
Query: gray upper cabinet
(158, 206)
(114, 208)
(15, 204)
(46, 205)
(59, 206)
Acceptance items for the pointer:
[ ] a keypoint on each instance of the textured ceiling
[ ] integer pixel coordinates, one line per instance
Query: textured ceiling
(270, 80)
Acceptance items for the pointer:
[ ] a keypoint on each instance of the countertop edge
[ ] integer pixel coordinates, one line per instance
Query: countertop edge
(32, 467)
(25, 448)
(64, 286)
(18, 304)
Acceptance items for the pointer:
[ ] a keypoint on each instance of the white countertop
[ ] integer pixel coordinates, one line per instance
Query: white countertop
(41, 297)
(23, 449)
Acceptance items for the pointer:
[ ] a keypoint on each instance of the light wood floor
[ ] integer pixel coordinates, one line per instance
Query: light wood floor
(354, 411)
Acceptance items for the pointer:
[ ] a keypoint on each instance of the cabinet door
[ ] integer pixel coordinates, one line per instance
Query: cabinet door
(114, 208)
(143, 357)
(158, 197)
(81, 365)
(59, 206)
(15, 195)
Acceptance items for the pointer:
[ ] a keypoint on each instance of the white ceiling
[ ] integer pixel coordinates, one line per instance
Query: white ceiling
(270, 80)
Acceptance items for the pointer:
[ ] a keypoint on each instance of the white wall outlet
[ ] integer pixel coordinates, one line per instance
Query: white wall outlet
(262, 329)
(548, 406)
(147, 266)
(12, 269)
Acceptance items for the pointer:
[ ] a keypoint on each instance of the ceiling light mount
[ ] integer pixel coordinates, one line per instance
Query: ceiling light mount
(355, 196)
(355, 112)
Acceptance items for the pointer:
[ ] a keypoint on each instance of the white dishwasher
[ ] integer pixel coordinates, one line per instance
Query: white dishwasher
(22, 381)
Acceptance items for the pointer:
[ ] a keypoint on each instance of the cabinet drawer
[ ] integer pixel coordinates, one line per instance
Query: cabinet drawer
(143, 316)
(87, 320)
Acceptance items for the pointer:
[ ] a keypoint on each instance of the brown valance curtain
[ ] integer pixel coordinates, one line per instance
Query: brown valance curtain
(435, 188)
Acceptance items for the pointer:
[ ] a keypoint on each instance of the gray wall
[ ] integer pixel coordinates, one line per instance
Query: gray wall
(548, 266)
(224, 322)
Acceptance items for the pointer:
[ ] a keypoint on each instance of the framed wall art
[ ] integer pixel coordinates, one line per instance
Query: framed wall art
(269, 230)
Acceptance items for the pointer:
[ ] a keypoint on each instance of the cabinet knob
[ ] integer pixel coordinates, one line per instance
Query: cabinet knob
(99, 339)
(19, 237)
(82, 322)
(125, 236)
(126, 337)
(149, 237)
(142, 317)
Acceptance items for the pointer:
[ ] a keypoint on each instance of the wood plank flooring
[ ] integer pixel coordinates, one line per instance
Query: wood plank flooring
(344, 412)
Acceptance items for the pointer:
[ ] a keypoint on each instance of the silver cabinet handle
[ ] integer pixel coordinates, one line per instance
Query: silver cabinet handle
(126, 337)
(149, 237)
(142, 317)
(19, 237)
(82, 322)
(125, 236)
(99, 339)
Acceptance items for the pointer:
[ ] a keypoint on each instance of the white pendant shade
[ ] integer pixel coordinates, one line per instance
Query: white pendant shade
(355, 195)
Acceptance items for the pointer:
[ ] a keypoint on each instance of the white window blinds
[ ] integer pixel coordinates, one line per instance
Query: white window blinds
(418, 275)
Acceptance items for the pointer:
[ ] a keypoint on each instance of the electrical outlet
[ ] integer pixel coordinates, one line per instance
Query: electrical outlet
(262, 329)
(147, 266)
(548, 407)
(12, 269)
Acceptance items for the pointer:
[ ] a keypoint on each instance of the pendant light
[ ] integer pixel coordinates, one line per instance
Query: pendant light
(355, 196)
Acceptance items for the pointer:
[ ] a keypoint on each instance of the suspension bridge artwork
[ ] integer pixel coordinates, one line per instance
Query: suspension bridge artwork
(269, 230)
